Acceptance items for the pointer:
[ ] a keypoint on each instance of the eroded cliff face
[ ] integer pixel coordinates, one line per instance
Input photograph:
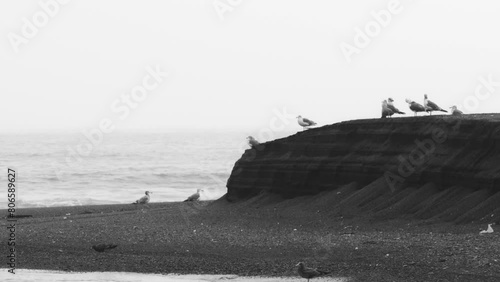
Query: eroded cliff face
(442, 151)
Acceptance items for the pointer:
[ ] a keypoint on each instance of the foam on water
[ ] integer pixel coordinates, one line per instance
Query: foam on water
(50, 276)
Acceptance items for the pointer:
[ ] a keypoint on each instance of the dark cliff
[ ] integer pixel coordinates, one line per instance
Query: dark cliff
(438, 162)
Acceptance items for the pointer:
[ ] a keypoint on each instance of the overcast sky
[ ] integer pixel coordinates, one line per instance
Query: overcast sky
(232, 65)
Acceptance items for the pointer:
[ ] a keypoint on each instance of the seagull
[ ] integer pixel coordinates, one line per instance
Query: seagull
(101, 247)
(455, 111)
(386, 112)
(252, 142)
(415, 107)
(431, 106)
(144, 199)
(194, 197)
(309, 273)
(304, 122)
(489, 230)
(391, 107)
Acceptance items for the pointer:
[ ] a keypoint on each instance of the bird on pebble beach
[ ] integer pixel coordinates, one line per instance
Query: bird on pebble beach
(414, 106)
(144, 199)
(309, 273)
(194, 197)
(252, 142)
(304, 122)
(489, 230)
(390, 105)
(386, 112)
(455, 111)
(431, 106)
(102, 247)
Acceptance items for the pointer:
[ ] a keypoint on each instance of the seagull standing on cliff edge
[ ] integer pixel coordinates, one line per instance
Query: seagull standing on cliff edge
(386, 112)
(304, 122)
(415, 107)
(455, 111)
(390, 105)
(252, 142)
(431, 106)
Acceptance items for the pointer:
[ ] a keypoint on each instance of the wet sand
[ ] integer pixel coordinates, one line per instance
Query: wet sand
(54, 276)
(259, 237)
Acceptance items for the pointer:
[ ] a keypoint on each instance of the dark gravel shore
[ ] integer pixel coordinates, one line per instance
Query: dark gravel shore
(256, 237)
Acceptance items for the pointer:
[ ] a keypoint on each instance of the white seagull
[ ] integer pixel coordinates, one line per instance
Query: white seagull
(252, 142)
(455, 111)
(415, 107)
(144, 199)
(391, 107)
(386, 112)
(304, 122)
(431, 106)
(489, 230)
(194, 197)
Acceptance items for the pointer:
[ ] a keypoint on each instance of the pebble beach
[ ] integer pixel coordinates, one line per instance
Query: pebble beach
(257, 237)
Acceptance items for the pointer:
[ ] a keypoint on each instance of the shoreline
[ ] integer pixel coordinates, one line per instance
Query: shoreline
(256, 237)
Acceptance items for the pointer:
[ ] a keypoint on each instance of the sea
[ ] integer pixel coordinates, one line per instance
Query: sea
(70, 169)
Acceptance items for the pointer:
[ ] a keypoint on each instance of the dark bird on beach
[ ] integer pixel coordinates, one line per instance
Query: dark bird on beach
(386, 112)
(194, 197)
(415, 107)
(309, 273)
(390, 105)
(144, 199)
(304, 122)
(431, 106)
(102, 247)
(455, 111)
(252, 142)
